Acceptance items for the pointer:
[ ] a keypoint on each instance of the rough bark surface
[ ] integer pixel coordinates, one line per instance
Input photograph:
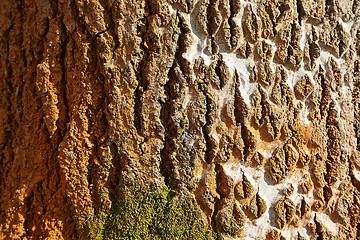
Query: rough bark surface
(179, 119)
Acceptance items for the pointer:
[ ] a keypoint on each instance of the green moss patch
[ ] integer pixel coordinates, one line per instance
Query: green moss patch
(149, 212)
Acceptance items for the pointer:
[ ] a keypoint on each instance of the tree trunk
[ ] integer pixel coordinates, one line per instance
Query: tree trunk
(179, 119)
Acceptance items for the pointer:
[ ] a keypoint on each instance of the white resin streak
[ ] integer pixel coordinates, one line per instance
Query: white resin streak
(303, 35)
(347, 26)
(196, 50)
(357, 174)
(241, 67)
(257, 229)
(171, 9)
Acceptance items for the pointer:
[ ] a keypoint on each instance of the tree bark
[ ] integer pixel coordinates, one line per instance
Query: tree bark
(179, 119)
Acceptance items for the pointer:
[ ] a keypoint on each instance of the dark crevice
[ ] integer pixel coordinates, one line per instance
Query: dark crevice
(23, 65)
(116, 165)
(319, 229)
(210, 13)
(63, 82)
(206, 127)
(189, 3)
(219, 73)
(141, 74)
(11, 83)
(284, 7)
(55, 8)
(328, 174)
(138, 109)
(239, 103)
(20, 3)
(343, 45)
(294, 30)
(149, 10)
(91, 167)
(223, 187)
(93, 171)
(167, 109)
(246, 138)
(166, 164)
(213, 216)
(300, 10)
(325, 94)
(330, 8)
(7, 85)
(217, 200)
(28, 203)
(140, 89)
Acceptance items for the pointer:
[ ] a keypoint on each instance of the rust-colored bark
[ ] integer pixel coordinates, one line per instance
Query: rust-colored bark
(134, 119)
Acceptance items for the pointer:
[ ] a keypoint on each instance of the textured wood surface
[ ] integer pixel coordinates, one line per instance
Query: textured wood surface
(179, 119)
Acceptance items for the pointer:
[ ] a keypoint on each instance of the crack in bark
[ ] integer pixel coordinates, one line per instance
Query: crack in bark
(206, 129)
(167, 110)
(141, 76)
(217, 204)
(23, 65)
(63, 81)
(240, 110)
(300, 10)
(210, 29)
(117, 165)
(166, 165)
(5, 80)
(219, 74)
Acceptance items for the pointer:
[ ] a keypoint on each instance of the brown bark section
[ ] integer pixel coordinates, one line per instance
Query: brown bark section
(99, 96)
